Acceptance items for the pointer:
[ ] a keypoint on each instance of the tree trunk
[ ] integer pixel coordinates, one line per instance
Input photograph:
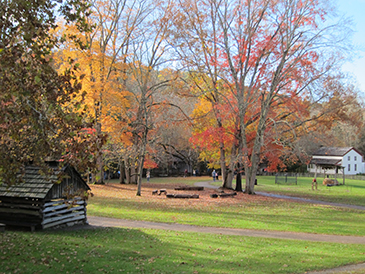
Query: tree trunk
(229, 179)
(251, 175)
(230, 176)
(238, 182)
(133, 175)
(250, 182)
(121, 172)
(139, 179)
(235, 156)
(223, 165)
(128, 175)
(141, 161)
(99, 159)
(252, 165)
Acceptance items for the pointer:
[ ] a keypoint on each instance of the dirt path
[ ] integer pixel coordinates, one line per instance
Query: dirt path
(111, 222)
(309, 200)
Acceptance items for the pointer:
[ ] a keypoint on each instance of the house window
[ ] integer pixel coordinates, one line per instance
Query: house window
(349, 167)
(355, 167)
(355, 158)
(349, 158)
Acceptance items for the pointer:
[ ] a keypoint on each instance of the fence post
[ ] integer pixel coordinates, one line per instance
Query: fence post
(314, 184)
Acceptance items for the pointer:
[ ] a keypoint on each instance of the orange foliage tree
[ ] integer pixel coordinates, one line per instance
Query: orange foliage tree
(126, 73)
(103, 65)
(270, 55)
(148, 78)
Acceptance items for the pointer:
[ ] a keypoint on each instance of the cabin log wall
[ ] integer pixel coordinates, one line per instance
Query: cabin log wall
(40, 214)
(62, 212)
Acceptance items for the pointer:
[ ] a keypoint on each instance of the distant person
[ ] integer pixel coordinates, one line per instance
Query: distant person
(214, 175)
(185, 173)
(148, 175)
(194, 174)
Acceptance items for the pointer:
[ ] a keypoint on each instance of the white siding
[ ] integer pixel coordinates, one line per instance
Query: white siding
(351, 161)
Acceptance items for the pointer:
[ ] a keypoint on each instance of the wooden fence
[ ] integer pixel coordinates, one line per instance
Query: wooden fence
(285, 179)
(311, 175)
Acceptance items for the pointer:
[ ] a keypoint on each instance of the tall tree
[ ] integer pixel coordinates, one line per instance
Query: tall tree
(34, 120)
(196, 29)
(147, 77)
(104, 65)
(269, 53)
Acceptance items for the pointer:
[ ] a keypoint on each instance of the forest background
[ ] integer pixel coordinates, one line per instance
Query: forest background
(128, 86)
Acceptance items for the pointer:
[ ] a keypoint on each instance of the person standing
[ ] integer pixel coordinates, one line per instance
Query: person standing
(148, 175)
(214, 175)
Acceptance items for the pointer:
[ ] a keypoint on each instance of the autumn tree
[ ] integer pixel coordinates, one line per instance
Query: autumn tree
(34, 121)
(173, 132)
(147, 78)
(195, 30)
(269, 54)
(104, 65)
(215, 132)
(125, 67)
(338, 119)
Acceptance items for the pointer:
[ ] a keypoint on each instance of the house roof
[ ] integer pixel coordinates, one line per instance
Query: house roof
(35, 184)
(333, 151)
(325, 162)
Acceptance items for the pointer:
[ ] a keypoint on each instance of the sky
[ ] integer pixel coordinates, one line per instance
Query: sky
(355, 9)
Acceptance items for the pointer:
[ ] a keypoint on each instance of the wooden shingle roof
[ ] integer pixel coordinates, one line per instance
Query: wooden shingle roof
(35, 185)
(325, 162)
(333, 151)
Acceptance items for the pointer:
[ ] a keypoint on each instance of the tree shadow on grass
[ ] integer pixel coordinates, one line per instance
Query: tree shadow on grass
(112, 250)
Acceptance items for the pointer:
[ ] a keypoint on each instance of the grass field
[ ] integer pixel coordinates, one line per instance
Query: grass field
(353, 192)
(242, 211)
(118, 250)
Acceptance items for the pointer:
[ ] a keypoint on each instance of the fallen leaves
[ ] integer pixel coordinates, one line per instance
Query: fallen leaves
(120, 191)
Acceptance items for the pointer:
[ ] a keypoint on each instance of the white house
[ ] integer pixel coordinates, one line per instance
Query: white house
(347, 160)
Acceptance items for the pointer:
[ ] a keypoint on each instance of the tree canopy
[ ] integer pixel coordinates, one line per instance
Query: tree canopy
(241, 82)
(35, 121)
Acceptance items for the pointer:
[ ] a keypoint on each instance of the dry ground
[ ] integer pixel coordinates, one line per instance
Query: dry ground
(129, 192)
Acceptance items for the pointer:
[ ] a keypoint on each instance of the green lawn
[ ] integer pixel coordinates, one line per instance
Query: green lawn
(353, 192)
(262, 214)
(117, 250)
